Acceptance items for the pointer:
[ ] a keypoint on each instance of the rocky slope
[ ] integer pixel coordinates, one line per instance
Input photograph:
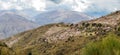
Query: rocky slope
(111, 19)
(64, 39)
(5, 50)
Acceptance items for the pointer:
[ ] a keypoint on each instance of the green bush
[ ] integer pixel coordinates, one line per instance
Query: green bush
(108, 46)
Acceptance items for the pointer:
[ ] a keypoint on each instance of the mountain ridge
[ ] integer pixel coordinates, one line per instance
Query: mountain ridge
(60, 15)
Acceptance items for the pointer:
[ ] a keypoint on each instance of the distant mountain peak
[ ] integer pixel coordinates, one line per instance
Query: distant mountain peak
(12, 23)
(60, 15)
(7, 13)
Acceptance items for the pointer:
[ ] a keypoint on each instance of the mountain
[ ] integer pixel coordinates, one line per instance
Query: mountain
(60, 15)
(65, 39)
(12, 23)
(22, 13)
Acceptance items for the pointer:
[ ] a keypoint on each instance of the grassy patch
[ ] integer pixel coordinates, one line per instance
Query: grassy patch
(108, 46)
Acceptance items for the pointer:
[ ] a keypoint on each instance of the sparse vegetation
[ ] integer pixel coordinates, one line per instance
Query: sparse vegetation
(4, 50)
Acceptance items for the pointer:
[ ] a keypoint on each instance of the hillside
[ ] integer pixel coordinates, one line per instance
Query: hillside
(5, 50)
(11, 23)
(60, 15)
(66, 39)
(111, 19)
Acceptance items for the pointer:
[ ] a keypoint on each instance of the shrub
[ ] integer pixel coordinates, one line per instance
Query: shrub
(99, 25)
(94, 24)
(108, 46)
(3, 44)
(118, 31)
(85, 24)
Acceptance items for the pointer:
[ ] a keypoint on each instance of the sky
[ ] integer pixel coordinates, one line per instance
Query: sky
(92, 7)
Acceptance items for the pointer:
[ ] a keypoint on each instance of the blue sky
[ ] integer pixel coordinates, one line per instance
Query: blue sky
(96, 7)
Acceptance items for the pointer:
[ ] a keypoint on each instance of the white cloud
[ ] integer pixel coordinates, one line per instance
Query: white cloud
(18, 8)
(39, 5)
(14, 0)
(76, 5)
(81, 5)
(109, 5)
(5, 5)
